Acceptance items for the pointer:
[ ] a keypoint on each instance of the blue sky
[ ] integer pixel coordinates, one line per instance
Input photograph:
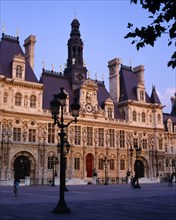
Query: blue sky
(103, 25)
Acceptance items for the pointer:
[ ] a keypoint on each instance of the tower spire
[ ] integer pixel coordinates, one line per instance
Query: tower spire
(75, 69)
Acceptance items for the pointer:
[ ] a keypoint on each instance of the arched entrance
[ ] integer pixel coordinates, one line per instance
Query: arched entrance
(89, 164)
(139, 168)
(22, 166)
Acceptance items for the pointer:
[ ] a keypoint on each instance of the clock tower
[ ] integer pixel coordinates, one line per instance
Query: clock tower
(75, 70)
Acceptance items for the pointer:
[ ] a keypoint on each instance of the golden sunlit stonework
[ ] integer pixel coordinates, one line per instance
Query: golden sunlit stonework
(109, 124)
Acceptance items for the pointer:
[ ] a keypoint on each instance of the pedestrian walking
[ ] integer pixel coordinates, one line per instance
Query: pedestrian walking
(131, 182)
(94, 174)
(170, 181)
(15, 186)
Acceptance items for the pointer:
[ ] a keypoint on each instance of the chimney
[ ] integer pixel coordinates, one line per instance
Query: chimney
(29, 49)
(114, 79)
(139, 71)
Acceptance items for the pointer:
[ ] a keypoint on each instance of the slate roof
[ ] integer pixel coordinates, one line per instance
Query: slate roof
(128, 85)
(52, 83)
(154, 96)
(9, 47)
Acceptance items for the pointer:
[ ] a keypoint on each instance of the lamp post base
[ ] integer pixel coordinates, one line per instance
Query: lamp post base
(61, 208)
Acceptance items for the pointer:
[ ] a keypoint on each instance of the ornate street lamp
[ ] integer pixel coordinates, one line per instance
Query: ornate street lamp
(65, 152)
(138, 151)
(106, 162)
(57, 107)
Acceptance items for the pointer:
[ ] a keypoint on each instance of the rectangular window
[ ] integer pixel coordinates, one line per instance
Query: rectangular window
(51, 133)
(32, 135)
(101, 137)
(111, 164)
(77, 163)
(16, 134)
(112, 138)
(89, 136)
(122, 164)
(122, 138)
(77, 135)
(160, 144)
(144, 143)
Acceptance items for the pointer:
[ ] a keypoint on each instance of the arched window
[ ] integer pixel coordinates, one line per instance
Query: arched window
(51, 159)
(111, 164)
(18, 98)
(142, 95)
(33, 101)
(110, 113)
(77, 163)
(122, 164)
(143, 117)
(19, 70)
(101, 164)
(134, 115)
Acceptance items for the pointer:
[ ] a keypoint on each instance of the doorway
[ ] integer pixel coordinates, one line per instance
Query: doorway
(22, 166)
(89, 164)
(139, 168)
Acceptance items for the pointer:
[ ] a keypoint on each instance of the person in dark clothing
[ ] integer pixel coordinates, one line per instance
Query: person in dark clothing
(15, 186)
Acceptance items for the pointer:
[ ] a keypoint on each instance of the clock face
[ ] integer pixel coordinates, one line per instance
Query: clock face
(88, 107)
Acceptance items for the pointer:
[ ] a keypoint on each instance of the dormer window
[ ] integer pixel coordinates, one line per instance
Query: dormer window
(141, 95)
(18, 67)
(19, 70)
(110, 113)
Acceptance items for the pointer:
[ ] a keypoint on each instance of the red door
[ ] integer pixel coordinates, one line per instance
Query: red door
(89, 164)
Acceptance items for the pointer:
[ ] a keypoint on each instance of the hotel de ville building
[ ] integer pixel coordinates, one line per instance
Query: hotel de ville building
(110, 123)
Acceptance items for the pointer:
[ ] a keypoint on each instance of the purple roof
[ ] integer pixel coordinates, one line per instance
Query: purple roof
(9, 47)
(128, 85)
(52, 83)
(154, 96)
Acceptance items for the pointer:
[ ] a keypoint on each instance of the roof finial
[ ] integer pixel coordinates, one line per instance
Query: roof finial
(17, 32)
(3, 28)
(43, 63)
(75, 10)
(103, 76)
(88, 73)
(52, 65)
(60, 66)
(96, 75)
(130, 61)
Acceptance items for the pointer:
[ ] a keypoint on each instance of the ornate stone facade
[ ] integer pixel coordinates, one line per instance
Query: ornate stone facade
(108, 126)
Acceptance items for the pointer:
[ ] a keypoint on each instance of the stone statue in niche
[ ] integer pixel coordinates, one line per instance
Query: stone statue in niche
(89, 97)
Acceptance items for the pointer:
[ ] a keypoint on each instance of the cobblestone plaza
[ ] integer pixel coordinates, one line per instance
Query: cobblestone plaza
(152, 201)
